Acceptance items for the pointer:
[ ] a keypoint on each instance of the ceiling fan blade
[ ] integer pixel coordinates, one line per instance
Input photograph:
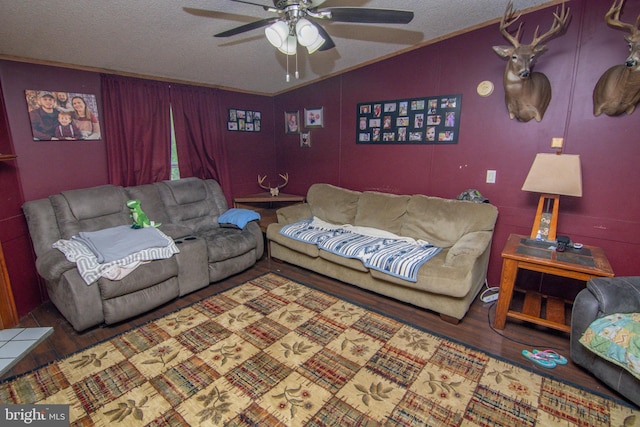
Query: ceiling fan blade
(247, 27)
(267, 8)
(328, 41)
(370, 16)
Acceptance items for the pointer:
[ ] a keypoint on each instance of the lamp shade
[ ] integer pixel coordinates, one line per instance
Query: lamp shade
(555, 174)
(289, 46)
(277, 33)
(316, 45)
(307, 32)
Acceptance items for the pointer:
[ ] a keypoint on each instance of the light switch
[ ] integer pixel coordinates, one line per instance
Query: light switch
(491, 177)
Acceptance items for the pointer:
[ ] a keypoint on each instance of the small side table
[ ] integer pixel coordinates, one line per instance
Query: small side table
(266, 205)
(520, 252)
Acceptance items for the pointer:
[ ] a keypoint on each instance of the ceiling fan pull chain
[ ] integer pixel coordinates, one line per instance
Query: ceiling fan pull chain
(288, 77)
(297, 74)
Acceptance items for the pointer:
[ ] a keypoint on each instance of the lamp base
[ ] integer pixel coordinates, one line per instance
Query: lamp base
(545, 223)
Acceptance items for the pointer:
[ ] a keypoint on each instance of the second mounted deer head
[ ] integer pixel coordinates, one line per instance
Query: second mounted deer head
(527, 93)
(618, 90)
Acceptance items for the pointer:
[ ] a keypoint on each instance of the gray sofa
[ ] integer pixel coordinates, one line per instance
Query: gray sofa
(602, 297)
(188, 210)
(446, 284)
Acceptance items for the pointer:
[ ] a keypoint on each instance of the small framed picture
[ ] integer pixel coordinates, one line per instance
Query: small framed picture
(313, 117)
(305, 139)
(292, 122)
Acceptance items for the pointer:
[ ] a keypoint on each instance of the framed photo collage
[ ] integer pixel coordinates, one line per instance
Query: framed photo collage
(426, 120)
(244, 120)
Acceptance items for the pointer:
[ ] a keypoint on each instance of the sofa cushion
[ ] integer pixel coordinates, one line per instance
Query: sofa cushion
(443, 222)
(333, 204)
(150, 201)
(83, 202)
(90, 209)
(187, 191)
(226, 243)
(309, 249)
(145, 276)
(381, 210)
(193, 202)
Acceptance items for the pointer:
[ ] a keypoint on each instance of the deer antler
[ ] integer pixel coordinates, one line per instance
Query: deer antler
(261, 182)
(612, 18)
(273, 190)
(284, 176)
(507, 19)
(559, 22)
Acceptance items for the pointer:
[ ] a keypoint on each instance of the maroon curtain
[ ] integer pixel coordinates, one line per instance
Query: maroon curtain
(137, 130)
(197, 127)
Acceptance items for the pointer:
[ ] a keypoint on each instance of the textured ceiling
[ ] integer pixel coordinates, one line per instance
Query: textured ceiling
(172, 40)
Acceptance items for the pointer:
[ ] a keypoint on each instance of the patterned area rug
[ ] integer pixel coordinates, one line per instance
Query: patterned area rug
(273, 352)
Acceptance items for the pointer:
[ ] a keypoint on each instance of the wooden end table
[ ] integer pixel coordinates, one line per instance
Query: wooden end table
(266, 205)
(520, 252)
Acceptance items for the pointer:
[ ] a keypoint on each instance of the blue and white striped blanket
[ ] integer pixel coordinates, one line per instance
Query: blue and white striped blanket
(391, 254)
(90, 269)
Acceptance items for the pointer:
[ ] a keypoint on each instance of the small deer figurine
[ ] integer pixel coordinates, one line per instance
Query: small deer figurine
(276, 190)
(527, 93)
(618, 90)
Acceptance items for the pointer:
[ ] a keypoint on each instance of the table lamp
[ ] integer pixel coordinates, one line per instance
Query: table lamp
(552, 175)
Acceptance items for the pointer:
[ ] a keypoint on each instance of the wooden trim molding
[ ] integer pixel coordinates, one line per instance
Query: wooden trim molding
(8, 311)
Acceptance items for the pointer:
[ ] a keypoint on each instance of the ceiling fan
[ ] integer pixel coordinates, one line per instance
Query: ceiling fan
(292, 25)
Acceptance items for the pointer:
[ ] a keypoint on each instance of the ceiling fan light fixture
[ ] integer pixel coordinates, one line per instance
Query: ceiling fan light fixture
(307, 32)
(316, 45)
(289, 46)
(277, 33)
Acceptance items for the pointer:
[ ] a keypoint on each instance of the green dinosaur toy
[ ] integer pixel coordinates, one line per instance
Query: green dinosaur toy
(140, 219)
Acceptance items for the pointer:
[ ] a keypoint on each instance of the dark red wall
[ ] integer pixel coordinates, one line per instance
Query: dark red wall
(249, 153)
(606, 215)
(14, 237)
(47, 167)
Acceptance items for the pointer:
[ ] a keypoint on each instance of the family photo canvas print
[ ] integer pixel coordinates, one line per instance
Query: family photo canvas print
(62, 116)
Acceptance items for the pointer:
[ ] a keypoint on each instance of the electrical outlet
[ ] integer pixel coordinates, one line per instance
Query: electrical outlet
(491, 177)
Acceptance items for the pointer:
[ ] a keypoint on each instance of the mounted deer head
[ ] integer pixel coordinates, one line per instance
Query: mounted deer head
(527, 94)
(618, 89)
(274, 191)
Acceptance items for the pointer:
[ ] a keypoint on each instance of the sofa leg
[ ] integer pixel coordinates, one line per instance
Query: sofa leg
(449, 319)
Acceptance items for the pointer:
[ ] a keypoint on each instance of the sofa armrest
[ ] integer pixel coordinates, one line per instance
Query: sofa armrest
(294, 213)
(604, 296)
(53, 264)
(616, 294)
(469, 247)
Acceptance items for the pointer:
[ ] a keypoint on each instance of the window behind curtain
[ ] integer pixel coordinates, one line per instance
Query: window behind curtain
(175, 168)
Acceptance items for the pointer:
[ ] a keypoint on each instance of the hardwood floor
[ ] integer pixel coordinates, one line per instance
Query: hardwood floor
(474, 330)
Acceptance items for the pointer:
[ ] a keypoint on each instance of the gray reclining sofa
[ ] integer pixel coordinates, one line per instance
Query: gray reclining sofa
(188, 210)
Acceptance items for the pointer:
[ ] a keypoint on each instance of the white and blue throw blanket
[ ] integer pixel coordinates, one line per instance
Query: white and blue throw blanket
(115, 252)
(377, 249)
